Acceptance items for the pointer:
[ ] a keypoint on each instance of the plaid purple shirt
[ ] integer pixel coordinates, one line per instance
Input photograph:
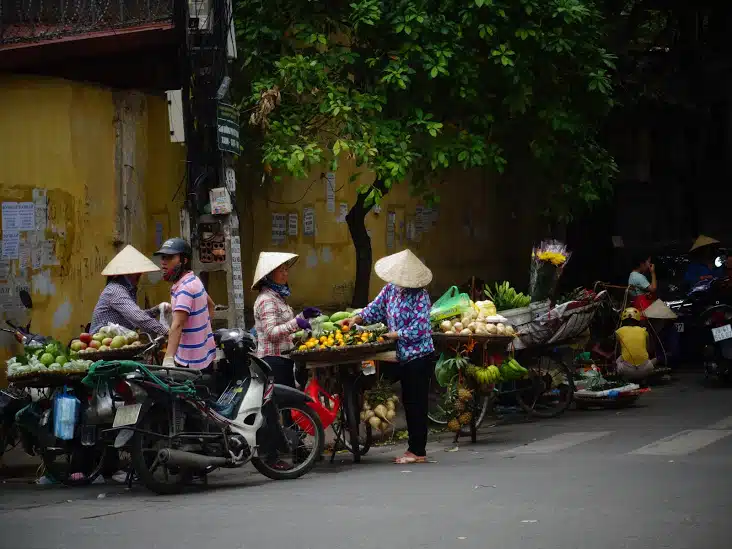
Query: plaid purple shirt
(118, 304)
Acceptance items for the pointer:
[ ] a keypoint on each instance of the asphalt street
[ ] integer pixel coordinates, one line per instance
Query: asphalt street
(658, 475)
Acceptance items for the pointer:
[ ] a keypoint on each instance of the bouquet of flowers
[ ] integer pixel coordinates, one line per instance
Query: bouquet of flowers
(547, 262)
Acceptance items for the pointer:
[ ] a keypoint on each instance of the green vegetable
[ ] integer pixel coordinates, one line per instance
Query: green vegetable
(327, 326)
(341, 315)
(321, 319)
(504, 297)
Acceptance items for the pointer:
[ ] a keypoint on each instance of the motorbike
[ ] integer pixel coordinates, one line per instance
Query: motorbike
(177, 430)
(704, 325)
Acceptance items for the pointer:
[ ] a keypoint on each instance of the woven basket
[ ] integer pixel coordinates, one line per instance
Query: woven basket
(350, 353)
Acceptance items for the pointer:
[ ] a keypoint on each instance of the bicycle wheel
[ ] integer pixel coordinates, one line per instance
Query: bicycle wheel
(549, 389)
(437, 406)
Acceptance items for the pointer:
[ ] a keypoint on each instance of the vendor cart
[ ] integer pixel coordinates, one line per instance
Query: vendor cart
(348, 367)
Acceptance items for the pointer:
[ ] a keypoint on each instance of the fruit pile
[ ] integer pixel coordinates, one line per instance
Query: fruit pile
(379, 408)
(110, 337)
(462, 415)
(52, 358)
(341, 337)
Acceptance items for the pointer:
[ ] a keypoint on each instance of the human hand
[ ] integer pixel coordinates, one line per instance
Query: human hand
(391, 336)
(311, 312)
(165, 307)
(653, 268)
(168, 362)
(303, 324)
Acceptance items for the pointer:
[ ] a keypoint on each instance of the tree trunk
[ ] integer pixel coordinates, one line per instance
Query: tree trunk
(356, 220)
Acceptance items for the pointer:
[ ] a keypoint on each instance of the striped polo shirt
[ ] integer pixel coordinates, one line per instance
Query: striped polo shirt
(197, 347)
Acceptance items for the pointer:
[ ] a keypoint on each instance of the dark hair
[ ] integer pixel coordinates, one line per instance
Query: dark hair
(630, 322)
(639, 257)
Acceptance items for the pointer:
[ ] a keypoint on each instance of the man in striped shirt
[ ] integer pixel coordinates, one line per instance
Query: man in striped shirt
(190, 341)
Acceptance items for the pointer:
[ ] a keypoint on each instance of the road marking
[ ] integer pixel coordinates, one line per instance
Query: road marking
(725, 423)
(557, 443)
(682, 443)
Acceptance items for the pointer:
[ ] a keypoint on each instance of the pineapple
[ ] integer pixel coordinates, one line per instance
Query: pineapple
(464, 394)
(465, 418)
(453, 425)
(459, 406)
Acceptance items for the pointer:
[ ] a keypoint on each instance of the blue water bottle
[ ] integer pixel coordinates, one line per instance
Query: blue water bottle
(65, 413)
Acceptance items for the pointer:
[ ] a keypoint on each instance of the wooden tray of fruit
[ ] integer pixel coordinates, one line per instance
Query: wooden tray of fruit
(447, 339)
(340, 345)
(129, 350)
(36, 380)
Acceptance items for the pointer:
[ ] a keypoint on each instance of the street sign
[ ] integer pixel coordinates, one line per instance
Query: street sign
(228, 129)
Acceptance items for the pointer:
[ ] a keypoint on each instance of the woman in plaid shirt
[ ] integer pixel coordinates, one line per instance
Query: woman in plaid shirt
(274, 319)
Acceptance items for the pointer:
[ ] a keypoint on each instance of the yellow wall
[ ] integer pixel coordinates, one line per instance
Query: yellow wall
(60, 136)
(474, 234)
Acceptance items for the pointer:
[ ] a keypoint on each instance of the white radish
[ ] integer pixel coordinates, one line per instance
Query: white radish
(375, 422)
(363, 416)
(381, 411)
(466, 332)
(457, 327)
(446, 325)
(390, 405)
(390, 415)
(370, 414)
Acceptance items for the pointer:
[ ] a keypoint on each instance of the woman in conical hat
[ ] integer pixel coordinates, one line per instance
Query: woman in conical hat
(404, 305)
(702, 267)
(118, 301)
(274, 320)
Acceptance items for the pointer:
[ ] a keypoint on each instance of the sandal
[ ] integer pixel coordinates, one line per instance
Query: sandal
(408, 459)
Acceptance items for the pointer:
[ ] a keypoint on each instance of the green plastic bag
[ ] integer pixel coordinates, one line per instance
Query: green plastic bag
(452, 303)
(444, 371)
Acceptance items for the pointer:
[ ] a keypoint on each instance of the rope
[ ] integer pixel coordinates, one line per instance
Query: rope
(103, 370)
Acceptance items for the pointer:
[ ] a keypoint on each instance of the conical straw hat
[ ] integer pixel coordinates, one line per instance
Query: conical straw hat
(403, 269)
(658, 309)
(129, 261)
(268, 262)
(702, 241)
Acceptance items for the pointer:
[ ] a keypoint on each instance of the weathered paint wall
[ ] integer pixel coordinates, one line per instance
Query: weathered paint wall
(473, 232)
(85, 147)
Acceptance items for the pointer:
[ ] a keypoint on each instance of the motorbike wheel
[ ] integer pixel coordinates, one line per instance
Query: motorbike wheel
(308, 458)
(144, 450)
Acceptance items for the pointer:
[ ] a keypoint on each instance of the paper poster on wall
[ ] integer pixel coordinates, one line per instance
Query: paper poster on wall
(36, 253)
(4, 269)
(24, 254)
(48, 253)
(11, 245)
(411, 231)
(308, 221)
(279, 227)
(419, 225)
(390, 229)
(10, 217)
(342, 212)
(40, 202)
(26, 216)
(6, 297)
(330, 191)
(292, 224)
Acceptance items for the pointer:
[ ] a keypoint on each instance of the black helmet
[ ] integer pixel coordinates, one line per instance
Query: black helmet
(175, 246)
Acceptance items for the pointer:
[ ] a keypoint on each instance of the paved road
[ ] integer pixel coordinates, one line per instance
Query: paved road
(656, 476)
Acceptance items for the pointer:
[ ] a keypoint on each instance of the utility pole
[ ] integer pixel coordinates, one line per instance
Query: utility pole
(212, 123)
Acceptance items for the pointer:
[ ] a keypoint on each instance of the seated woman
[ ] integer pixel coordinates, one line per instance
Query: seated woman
(640, 289)
(634, 362)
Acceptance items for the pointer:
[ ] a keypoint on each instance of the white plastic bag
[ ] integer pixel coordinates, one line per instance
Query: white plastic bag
(165, 315)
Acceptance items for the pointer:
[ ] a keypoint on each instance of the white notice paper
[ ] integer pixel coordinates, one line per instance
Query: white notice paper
(390, 227)
(4, 269)
(10, 217)
(308, 221)
(11, 244)
(279, 227)
(342, 212)
(330, 193)
(40, 201)
(48, 253)
(36, 255)
(6, 297)
(292, 224)
(24, 254)
(26, 216)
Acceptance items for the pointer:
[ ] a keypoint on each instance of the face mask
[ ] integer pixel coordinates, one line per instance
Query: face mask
(173, 274)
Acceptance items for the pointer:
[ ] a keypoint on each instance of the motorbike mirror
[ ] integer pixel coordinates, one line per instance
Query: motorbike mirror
(25, 299)
(720, 261)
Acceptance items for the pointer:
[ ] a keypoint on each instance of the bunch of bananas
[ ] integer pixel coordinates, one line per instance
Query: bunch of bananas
(512, 370)
(485, 375)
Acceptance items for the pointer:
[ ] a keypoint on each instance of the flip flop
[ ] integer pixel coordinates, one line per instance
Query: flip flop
(408, 460)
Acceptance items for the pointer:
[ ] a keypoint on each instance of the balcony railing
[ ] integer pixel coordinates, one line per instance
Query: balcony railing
(27, 21)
